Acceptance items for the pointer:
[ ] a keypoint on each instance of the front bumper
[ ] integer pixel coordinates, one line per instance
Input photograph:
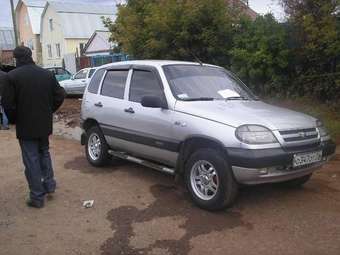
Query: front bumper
(273, 165)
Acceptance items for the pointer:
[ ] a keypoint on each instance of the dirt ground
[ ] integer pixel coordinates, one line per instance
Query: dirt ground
(69, 112)
(140, 211)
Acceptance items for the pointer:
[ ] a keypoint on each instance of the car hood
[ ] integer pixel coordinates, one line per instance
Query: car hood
(237, 113)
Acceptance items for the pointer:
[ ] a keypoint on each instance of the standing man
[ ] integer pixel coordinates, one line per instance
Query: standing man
(3, 118)
(30, 99)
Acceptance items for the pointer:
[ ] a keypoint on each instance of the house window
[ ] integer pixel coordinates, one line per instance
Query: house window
(57, 47)
(49, 50)
(50, 22)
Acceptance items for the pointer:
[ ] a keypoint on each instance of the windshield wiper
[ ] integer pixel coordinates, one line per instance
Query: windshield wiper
(199, 99)
(236, 98)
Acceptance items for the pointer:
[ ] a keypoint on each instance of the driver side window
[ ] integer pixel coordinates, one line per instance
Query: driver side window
(144, 83)
(81, 75)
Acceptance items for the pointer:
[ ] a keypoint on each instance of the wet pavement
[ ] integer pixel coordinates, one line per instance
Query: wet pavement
(141, 211)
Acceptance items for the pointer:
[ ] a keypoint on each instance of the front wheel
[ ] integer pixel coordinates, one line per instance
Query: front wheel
(209, 180)
(96, 148)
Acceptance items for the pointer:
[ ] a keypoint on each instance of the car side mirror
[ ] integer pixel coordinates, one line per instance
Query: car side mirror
(153, 102)
(72, 77)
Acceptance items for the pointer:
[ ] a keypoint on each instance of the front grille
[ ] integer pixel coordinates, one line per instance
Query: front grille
(299, 135)
(304, 148)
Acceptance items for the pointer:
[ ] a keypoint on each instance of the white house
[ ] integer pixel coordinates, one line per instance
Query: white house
(28, 17)
(67, 27)
(98, 44)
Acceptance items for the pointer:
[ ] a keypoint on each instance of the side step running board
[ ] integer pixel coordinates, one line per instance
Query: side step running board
(143, 162)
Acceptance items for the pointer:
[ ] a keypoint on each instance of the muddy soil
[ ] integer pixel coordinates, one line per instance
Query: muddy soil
(67, 119)
(140, 211)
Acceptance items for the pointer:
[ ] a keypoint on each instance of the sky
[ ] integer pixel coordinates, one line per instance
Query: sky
(260, 6)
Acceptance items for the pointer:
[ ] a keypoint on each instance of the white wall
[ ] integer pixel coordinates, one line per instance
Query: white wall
(53, 37)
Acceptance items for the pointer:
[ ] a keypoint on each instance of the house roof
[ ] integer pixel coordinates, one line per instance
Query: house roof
(104, 36)
(78, 21)
(34, 10)
(7, 41)
(89, 8)
(34, 3)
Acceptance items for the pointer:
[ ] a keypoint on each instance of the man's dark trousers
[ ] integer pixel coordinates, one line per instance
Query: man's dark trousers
(38, 168)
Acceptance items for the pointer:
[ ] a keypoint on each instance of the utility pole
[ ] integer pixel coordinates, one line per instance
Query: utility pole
(14, 24)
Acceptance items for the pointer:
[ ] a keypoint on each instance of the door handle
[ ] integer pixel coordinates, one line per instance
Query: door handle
(83, 81)
(99, 104)
(129, 110)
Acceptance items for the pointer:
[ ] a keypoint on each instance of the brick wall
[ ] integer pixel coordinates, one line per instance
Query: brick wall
(6, 57)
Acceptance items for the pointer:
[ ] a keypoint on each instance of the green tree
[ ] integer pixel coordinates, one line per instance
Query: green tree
(317, 45)
(260, 55)
(175, 29)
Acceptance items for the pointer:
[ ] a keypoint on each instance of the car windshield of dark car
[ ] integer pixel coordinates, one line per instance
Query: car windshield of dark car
(195, 82)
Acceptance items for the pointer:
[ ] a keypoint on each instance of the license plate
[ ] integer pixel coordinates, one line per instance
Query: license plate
(307, 158)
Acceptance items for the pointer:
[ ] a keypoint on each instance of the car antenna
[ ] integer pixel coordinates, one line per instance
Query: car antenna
(196, 58)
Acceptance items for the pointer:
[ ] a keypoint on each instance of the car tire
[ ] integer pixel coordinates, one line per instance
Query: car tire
(96, 148)
(210, 180)
(296, 183)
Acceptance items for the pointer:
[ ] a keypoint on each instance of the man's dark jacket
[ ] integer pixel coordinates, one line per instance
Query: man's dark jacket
(3, 82)
(30, 99)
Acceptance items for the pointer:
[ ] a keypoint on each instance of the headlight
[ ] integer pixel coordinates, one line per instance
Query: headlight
(322, 130)
(254, 134)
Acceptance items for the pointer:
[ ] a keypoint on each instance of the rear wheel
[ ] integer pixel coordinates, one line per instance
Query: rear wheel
(298, 182)
(209, 180)
(96, 148)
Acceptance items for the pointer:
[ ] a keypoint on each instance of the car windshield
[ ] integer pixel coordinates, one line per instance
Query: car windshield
(194, 82)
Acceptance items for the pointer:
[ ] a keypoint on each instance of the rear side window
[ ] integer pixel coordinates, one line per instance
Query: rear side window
(91, 72)
(144, 83)
(95, 81)
(114, 84)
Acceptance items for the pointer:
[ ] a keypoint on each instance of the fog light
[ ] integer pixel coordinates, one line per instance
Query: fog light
(263, 171)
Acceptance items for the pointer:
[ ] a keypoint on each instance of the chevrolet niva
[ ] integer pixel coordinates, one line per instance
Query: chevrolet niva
(201, 122)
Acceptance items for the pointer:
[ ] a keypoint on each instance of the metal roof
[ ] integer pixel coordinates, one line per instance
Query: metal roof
(81, 25)
(34, 3)
(88, 8)
(105, 38)
(34, 10)
(34, 14)
(79, 21)
(7, 41)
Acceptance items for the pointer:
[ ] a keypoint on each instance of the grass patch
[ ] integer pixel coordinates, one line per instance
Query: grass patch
(330, 115)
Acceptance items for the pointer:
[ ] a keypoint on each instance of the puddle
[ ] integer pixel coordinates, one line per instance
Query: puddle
(171, 201)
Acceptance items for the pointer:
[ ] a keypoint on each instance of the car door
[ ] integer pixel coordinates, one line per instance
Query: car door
(149, 130)
(111, 103)
(78, 84)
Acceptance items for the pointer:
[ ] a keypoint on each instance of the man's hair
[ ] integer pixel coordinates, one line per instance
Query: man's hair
(23, 55)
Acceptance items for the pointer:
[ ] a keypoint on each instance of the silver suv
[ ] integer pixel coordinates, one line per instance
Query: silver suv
(201, 122)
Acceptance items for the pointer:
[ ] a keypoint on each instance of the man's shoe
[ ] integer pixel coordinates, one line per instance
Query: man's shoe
(35, 204)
